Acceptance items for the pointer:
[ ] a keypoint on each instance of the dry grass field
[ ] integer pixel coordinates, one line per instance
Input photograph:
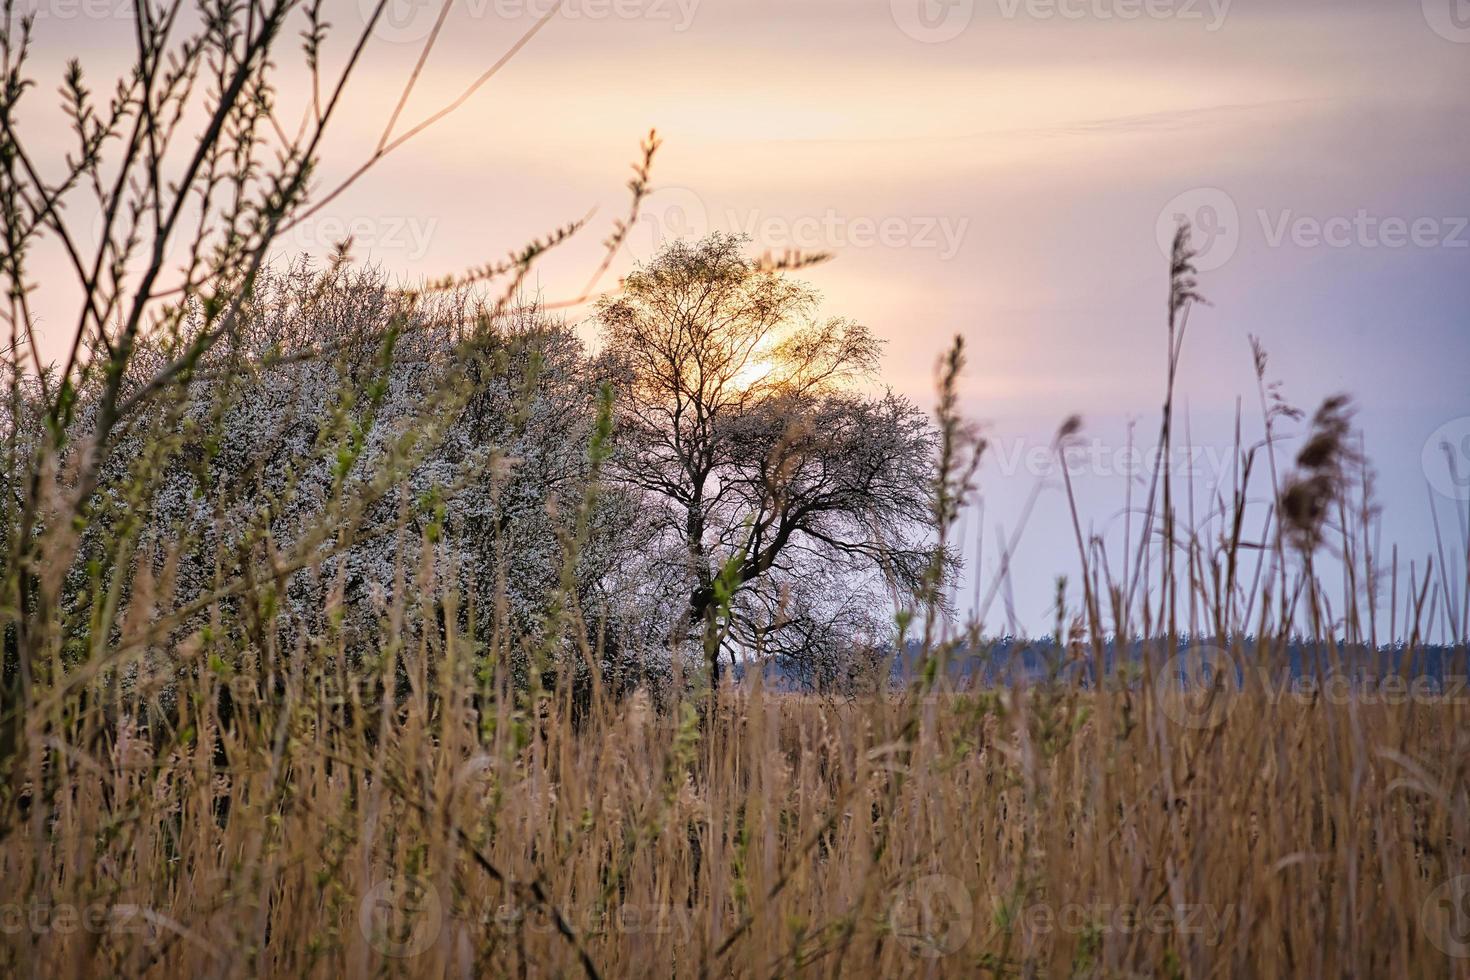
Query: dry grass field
(1042, 831)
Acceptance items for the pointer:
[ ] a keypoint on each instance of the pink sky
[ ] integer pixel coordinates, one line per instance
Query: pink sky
(995, 168)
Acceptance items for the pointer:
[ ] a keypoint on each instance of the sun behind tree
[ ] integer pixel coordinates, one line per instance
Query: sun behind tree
(787, 493)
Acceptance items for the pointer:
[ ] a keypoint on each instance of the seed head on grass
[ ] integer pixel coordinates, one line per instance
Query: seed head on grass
(1323, 466)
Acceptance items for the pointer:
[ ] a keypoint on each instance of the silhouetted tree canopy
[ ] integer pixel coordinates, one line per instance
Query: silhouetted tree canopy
(784, 492)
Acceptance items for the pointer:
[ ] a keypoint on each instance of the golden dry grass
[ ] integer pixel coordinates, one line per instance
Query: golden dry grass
(1043, 831)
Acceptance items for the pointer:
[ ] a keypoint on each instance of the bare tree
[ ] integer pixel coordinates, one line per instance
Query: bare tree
(783, 493)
